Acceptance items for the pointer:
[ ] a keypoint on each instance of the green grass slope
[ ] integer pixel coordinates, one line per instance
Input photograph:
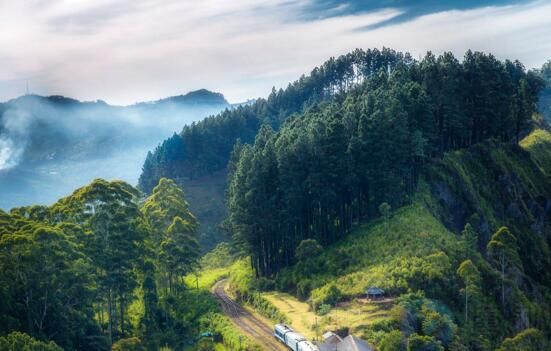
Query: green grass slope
(538, 144)
(396, 255)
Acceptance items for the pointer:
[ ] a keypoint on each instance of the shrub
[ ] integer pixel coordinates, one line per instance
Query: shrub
(21, 341)
(129, 344)
(423, 343)
(324, 309)
(527, 340)
(328, 294)
(303, 288)
(266, 308)
(307, 249)
(225, 331)
(393, 341)
(265, 284)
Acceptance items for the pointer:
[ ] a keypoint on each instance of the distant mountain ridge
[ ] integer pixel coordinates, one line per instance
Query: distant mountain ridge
(195, 97)
(59, 137)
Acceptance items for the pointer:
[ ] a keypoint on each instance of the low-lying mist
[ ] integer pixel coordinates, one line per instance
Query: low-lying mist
(49, 146)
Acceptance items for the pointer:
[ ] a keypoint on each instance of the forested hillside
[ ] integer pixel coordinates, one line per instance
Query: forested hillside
(101, 269)
(460, 104)
(468, 260)
(204, 147)
(431, 148)
(338, 162)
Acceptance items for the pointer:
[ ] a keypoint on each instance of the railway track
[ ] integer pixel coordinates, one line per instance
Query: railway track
(244, 320)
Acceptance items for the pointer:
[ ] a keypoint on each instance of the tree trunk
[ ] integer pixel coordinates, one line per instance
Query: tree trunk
(121, 304)
(466, 305)
(110, 316)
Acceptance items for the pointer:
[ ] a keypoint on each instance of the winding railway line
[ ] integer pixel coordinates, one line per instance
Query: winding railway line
(244, 320)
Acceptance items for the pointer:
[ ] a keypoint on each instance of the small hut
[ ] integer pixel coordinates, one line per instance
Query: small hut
(375, 293)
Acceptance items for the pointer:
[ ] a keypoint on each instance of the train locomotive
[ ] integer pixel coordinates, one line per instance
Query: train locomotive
(292, 339)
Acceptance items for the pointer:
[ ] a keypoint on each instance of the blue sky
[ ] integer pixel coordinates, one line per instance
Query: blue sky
(124, 51)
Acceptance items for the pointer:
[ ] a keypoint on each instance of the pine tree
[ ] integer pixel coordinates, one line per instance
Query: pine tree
(503, 250)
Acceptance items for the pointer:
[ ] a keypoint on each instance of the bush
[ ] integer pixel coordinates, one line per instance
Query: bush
(20, 341)
(527, 340)
(265, 284)
(324, 309)
(266, 308)
(423, 343)
(129, 344)
(393, 341)
(220, 257)
(303, 288)
(328, 294)
(308, 249)
(225, 331)
(241, 278)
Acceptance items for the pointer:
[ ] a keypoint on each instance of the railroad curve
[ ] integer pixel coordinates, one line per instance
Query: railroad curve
(244, 320)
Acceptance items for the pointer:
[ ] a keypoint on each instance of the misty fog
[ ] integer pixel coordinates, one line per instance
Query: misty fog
(51, 146)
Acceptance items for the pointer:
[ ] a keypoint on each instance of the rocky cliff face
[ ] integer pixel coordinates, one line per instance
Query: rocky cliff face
(493, 185)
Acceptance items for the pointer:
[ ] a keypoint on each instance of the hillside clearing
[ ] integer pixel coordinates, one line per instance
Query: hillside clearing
(356, 314)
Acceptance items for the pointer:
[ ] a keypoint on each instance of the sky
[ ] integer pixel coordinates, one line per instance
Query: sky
(125, 51)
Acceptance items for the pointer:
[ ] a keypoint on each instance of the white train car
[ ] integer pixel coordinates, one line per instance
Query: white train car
(292, 339)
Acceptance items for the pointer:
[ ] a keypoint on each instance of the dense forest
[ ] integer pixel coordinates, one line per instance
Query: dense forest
(100, 267)
(338, 162)
(204, 147)
(197, 157)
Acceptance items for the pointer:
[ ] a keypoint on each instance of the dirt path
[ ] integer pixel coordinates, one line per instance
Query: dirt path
(244, 320)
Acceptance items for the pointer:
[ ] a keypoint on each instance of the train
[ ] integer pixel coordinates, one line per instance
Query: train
(292, 339)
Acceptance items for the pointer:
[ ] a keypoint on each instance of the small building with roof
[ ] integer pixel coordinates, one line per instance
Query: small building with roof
(333, 342)
(375, 293)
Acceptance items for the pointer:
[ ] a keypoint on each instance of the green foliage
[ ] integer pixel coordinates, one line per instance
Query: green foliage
(265, 307)
(502, 248)
(43, 270)
(527, 340)
(241, 278)
(393, 341)
(324, 309)
(167, 202)
(470, 276)
(538, 144)
(17, 341)
(129, 344)
(308, 248)
(226, 332)
(469, 241)
(417, 253)
(86, 271)
(425, 319)
(423, 343)
(173, 231)
(205, 147)
(385, 210)
(245, 288)
(336, 162)
(329, 294)
(221, 256)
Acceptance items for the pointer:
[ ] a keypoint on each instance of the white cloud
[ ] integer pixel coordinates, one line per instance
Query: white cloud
(124, 51)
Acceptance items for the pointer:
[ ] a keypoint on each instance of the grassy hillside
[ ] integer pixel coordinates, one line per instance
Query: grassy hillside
(394, 254)
(538, 145)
